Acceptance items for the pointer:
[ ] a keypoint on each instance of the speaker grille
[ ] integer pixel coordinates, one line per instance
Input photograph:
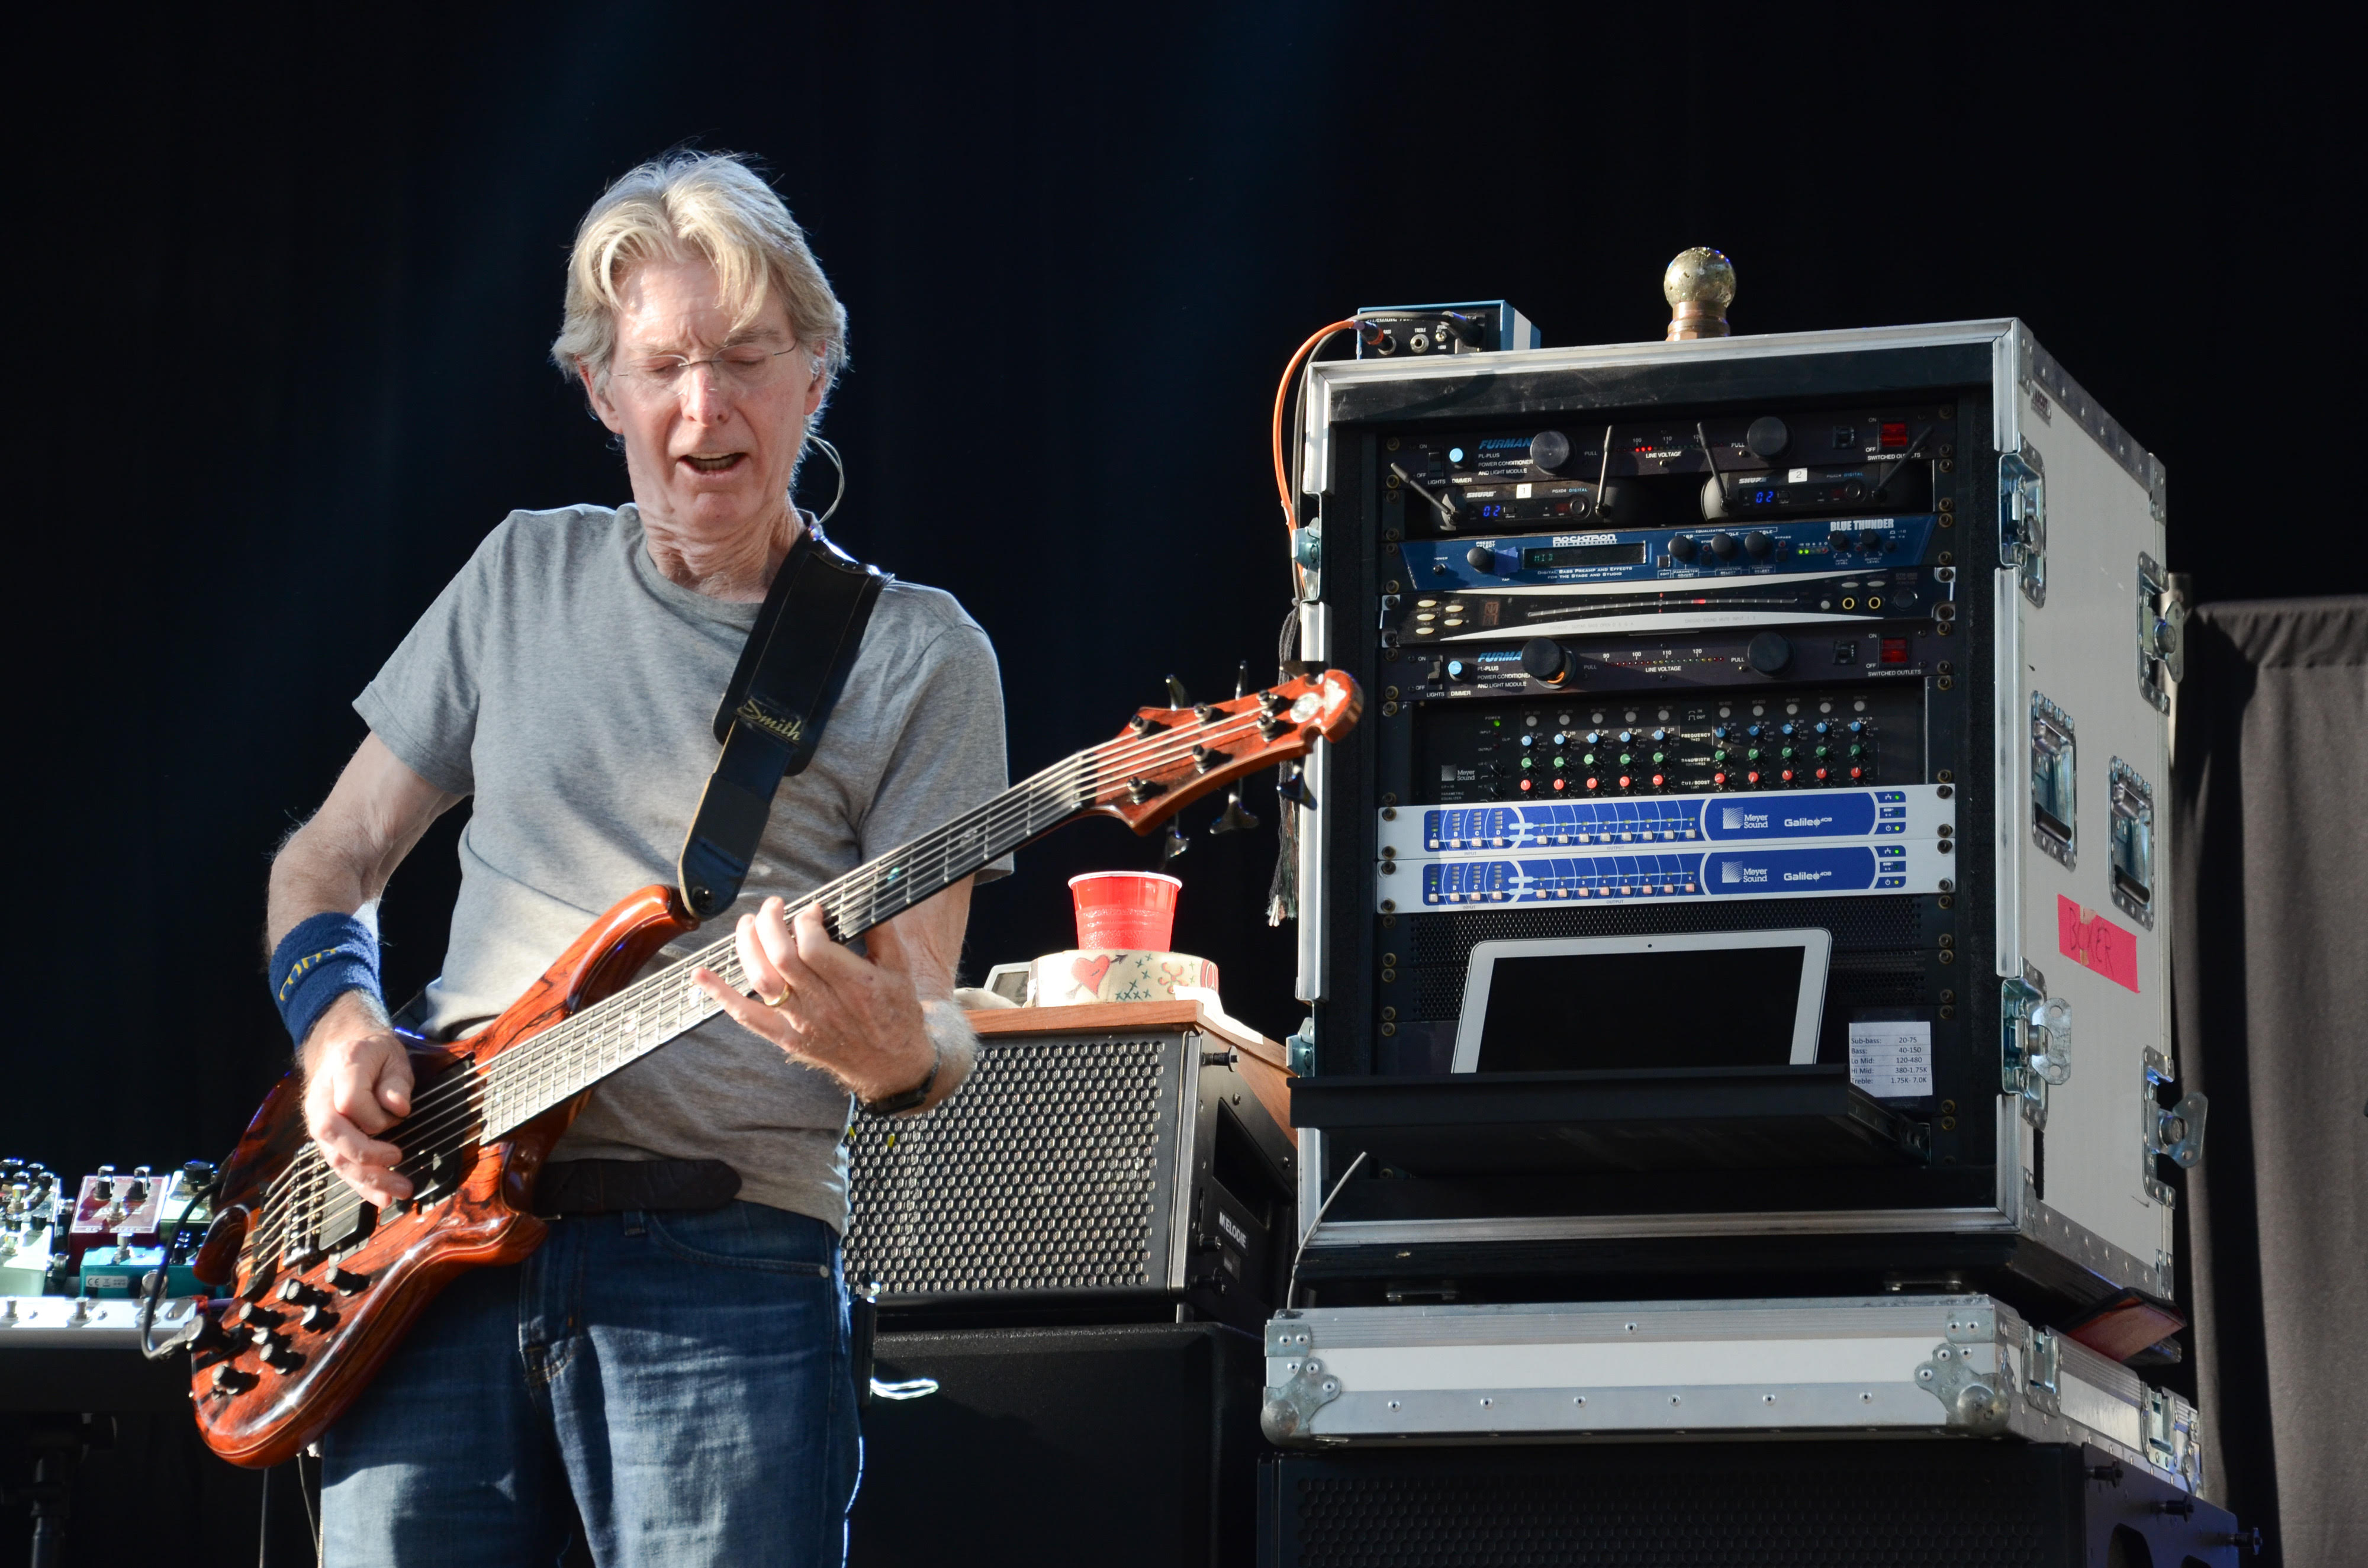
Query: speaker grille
(1043, 1174)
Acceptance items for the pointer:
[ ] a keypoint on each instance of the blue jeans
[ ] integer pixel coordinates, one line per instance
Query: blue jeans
(682, 1378)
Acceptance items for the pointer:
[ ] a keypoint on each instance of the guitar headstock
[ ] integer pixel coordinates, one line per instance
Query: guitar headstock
(1168, 757)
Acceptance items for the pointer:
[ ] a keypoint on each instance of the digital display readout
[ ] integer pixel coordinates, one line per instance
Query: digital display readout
(1586, 555)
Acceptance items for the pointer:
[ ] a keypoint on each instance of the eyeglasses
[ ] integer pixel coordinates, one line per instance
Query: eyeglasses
(741, 369)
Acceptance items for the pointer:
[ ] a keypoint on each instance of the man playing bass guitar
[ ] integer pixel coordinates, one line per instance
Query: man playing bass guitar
(671, 1367)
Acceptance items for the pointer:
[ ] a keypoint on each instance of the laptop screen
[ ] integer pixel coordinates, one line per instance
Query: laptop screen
(1733, 999)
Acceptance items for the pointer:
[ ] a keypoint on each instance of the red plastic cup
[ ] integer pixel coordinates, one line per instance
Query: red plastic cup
(1133, 909)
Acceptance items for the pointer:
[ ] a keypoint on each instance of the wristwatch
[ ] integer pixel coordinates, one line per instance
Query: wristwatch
(891, 1105)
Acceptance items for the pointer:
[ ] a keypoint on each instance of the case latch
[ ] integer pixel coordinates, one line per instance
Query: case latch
(2036, 1049)
(2162, 633)
(2022, 520)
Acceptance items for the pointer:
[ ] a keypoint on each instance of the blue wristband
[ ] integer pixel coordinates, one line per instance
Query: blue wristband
(319, 962)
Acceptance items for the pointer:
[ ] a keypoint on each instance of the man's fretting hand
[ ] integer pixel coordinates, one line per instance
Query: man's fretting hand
(857, 1018)
(358, 1083)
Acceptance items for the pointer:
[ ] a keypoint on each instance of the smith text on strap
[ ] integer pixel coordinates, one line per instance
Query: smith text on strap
(773, 713)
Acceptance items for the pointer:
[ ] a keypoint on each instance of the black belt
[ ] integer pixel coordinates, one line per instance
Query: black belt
(611, 1186)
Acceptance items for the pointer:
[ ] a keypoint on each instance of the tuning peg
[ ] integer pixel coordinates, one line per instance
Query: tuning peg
(1174, 844)
(1235, 820)
(1293, 787)
(1242, 680)
(1176, 696)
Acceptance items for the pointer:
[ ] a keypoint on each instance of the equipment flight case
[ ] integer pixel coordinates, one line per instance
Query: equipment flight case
(1744, 881)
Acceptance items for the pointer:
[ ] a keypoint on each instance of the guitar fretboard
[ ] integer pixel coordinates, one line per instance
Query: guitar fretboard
(553, 1067)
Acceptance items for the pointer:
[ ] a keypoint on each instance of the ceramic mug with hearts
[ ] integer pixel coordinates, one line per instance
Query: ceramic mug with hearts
(1115, 975)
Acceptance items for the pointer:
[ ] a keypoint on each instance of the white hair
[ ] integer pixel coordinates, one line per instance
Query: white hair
(712, 205)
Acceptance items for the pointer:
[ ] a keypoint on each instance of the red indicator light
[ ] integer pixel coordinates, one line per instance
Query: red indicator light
(1895, 435)
(1558, 783)
(1590, 783)
(1895, 650)
(1623, 781)
(1525, 786)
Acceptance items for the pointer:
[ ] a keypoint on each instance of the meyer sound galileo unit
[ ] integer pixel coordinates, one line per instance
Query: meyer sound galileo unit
(1863, 632)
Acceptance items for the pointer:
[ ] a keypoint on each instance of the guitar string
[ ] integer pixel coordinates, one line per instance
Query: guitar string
(855, 903)
(1059, 787)
(882, 886)
(1020, 805)
(577, 1039)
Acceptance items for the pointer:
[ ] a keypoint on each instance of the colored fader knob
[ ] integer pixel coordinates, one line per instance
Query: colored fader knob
(1623, 781)
(1786, 776)
(1526, 785)
(1560, 783)
(1594, 783)
(1656, 780)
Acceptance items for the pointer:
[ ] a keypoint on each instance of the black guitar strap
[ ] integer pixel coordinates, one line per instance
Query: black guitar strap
(789, 678)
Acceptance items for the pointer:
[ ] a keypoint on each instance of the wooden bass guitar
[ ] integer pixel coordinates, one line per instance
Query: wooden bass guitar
(324, 1284)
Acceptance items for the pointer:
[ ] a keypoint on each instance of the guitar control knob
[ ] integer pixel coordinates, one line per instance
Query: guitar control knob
(348, 1283)
(1758, 545)
(1683, 548)
(1543, 659)
(229, 1380)
(1723, 545)
(301, 1294)
(280, 1356)
(318, 1318)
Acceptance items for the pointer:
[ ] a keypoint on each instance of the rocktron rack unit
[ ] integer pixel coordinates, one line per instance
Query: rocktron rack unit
(1862, 632)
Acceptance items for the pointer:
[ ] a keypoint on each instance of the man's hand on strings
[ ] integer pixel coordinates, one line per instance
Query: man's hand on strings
(358, 1083)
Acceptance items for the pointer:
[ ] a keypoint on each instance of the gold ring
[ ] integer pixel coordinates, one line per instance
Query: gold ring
(778, 1002)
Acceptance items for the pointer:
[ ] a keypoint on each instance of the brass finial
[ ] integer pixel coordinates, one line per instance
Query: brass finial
(1700, 285)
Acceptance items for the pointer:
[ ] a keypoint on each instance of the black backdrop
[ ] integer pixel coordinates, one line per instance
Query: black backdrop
(281, 290)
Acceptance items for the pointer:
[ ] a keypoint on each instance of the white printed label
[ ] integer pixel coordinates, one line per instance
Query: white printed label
(1796, 476)
(1891, 1059)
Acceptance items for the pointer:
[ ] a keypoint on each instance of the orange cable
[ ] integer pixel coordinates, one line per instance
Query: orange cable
(1282, 401)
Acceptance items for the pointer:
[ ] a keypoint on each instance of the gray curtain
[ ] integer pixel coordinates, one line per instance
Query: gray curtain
(2269, 996)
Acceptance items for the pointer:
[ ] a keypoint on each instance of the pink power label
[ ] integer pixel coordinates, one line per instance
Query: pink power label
(2088, 937)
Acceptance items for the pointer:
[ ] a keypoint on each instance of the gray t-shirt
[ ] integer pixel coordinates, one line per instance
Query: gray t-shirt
(570, 687)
